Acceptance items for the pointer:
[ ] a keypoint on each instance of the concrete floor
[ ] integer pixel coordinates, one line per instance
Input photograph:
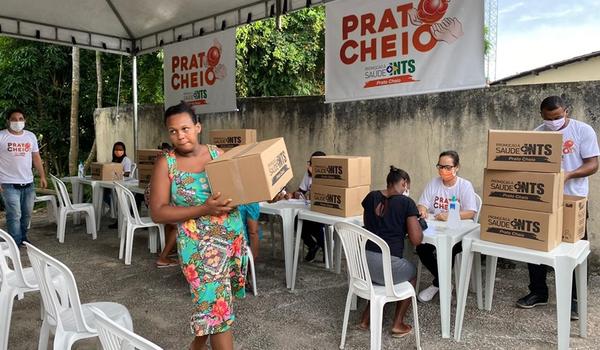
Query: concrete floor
(308, 318)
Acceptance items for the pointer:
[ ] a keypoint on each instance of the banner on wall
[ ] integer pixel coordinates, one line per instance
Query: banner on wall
(201, 72)
(385, 48)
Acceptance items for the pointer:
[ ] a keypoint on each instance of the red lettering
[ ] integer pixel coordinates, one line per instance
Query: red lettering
(350, 44)
(193, 62)
(388, 21)
(184, 81)
(367, 24)
(418, 44)
(349, 24)
(405, 42)
(403, 9)
(388, 46)
(210, 76)
(194, 82)
(174, 63)
(201, 57)
(364, 50)
(175, 81)
(184, 62)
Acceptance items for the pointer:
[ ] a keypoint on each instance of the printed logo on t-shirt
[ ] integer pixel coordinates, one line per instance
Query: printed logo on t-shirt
(19, 149)
(441, 203)
(568, 147)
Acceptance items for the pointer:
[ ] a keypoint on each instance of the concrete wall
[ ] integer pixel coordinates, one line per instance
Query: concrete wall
(577, 71)
(410, 132)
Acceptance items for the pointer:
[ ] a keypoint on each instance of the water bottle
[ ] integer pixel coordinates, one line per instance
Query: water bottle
(453, 213)
(80, 170)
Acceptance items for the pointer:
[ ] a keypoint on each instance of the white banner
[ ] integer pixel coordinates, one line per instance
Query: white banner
(201, 72)
(383, 48)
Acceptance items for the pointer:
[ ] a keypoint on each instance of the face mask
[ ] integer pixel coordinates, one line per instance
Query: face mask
(17, 126)
(407, 193)
(555, 125)
(447, 175)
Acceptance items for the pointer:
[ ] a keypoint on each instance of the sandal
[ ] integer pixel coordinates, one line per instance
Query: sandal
(401, 334)
(162, 265)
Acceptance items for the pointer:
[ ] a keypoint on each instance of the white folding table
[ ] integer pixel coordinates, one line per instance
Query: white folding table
(565, 258)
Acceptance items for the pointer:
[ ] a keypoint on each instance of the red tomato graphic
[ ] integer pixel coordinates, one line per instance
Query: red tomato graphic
(431, 11)
(214, 56)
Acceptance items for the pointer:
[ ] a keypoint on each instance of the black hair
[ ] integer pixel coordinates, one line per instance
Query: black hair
(116, 159)
(318, 154)
(551, 103)
(165, 146)
(12, 111)
(451, 154)
(396, 175)
(182, 107)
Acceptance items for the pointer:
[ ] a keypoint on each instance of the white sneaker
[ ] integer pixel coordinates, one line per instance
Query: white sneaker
(428, 293)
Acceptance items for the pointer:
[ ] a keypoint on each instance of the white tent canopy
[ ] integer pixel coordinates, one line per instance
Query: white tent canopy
(131, 26)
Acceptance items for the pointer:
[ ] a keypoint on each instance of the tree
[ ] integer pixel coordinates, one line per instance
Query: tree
(290, 61)
(74, 120)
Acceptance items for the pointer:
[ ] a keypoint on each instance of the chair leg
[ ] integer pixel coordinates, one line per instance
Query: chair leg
(419, 269)
(61, 227)
(152, 239)
(128, 244)
(122, 243)
(44, 336)
(91, 223)
(252, 271)
(490, 278)
(376, 312)
(161, 236)
(416, 323)
(7, 297)
(296, 253)
(349, 298)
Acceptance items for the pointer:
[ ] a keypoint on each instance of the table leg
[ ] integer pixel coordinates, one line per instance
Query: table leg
(97, 202)
(444, 264)
(296, 253)
(337, 254)
(77, 198)
(463, 286)
(563, 272)
(476, 275)
(581, 279)
(491, 263)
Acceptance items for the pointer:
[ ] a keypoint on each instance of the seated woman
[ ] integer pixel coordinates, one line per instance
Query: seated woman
(392, 216)
(434, 200)
(119, 155)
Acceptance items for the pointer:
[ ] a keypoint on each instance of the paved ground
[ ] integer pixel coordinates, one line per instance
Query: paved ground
(309, 318)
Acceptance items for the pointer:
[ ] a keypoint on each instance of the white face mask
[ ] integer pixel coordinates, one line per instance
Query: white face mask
(17, 126)
(555, 125)
(407, 193)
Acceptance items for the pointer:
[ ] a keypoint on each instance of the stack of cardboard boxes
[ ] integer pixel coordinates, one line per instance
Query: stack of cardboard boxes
(523, 190)
(145, 159)
(227, 139)
(339, 184)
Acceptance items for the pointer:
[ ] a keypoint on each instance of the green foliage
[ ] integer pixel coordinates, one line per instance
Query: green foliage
(37, 78)
(290, 61)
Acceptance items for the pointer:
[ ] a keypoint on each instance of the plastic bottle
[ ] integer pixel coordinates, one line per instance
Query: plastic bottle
(81, 170)
(453, 213)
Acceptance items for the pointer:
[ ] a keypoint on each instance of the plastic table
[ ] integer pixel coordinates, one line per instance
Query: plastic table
(565, 258)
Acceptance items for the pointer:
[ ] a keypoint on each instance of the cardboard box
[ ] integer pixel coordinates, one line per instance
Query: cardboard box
(338, 201)
(230, 138)
(341, 171)
(523, 190)
(522, 228)
(147, 156)
(145, 174)
(524, 150)
(107, 171)
(251, 173)
(574, 218)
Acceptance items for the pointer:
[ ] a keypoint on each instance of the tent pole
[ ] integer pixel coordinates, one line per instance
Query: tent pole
(135, 105)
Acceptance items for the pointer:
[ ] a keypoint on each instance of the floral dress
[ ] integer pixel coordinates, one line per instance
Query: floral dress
(212, 250)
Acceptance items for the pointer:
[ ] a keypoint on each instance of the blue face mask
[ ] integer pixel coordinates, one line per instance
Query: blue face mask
(556, 124)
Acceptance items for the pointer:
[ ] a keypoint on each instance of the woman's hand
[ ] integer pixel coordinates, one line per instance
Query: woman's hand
(442, 216)
(422, 211)
(216, 206)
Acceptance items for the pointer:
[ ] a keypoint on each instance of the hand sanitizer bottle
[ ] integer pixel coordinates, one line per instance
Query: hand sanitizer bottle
(453, 213)
(80, 170)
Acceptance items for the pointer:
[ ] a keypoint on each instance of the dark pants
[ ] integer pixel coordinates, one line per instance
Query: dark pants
(427, 255)
(313, 234)
(537, 273)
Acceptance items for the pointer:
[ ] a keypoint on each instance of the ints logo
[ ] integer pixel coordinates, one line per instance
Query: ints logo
(401, 67)
(328, 198)
(516, 227)
(329, 172)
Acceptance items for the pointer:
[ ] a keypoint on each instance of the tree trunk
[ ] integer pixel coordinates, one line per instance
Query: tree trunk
(92, 154)
(90, 157)
(74, 135)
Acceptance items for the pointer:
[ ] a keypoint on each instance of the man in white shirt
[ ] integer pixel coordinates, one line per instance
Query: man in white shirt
(18, 150)
(579, 160)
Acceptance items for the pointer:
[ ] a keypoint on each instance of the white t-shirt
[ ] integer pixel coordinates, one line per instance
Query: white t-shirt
(437, 196)
(579, 142)
(15, 157)
(126, 164)
(306, 182)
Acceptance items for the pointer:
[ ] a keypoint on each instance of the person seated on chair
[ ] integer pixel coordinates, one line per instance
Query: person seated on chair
(119, 155)
(392, 215)
(434, 200)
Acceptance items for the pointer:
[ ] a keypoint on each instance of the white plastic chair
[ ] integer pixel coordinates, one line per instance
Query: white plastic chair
(354, 239)
(133, 171)
(251, 265)
(115, 337)
(14, 282)
(65, 316)
(131, 221)
(51, 206)
(66, 208)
